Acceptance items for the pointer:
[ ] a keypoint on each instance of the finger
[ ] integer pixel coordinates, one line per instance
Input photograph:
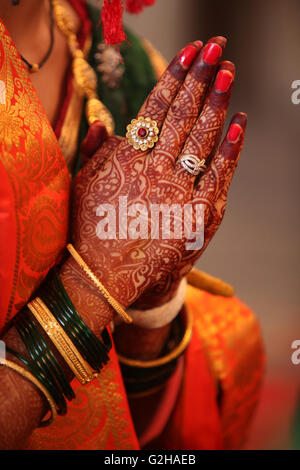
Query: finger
(217, 179)
(206, 133)
(96, 136)
(159, 100)
(189, 100)
(95, 163)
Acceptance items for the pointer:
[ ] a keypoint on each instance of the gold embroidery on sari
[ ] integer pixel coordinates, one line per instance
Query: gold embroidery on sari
(230, 334)
(34, 165)
(97, 419)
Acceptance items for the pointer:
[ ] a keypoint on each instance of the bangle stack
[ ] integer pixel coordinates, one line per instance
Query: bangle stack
(95, 352)
(50, 327)
(61, 341)
(53, 331)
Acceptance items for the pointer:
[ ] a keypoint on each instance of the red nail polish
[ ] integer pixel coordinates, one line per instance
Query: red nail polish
(223, 80)
(219, 40)
(212, 53)
(187, 56)
(234, 133)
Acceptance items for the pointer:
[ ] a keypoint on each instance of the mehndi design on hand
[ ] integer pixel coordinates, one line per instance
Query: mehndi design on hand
(189, 105)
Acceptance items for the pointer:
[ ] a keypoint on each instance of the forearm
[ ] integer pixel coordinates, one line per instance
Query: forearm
(22, 405)
(140, 343)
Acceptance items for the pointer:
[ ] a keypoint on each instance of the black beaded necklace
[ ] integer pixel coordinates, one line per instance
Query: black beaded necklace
(36, 67)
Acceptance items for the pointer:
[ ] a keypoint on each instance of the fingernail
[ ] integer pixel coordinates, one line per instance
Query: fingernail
(219, 40)
(234, 133)
(223, 80)
(212, 53)
(198, 44)
(187, 56)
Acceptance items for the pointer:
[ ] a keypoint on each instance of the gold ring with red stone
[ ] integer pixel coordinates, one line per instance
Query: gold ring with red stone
(142, 133)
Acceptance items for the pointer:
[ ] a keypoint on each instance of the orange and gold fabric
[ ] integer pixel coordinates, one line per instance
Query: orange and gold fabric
(231, 337)
(34, 190)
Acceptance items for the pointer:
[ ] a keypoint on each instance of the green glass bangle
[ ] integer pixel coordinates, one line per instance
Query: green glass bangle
(43, 352)
(107, 343)
(92, 349)
(43, 363)
(101, 347)
(39, 354)
(45, 349)
(34, 371)
(76, 334)
(26, 336)
(29, 336)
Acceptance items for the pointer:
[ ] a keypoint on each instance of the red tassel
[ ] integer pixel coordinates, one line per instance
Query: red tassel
(136, 6)
(111, 17)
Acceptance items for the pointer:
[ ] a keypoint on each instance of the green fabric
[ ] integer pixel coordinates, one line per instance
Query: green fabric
(138, 80)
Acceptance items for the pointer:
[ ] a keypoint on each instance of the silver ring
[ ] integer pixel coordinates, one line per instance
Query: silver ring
(192, 164)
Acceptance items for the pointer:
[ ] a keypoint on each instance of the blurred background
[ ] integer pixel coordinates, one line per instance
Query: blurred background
(257, 246)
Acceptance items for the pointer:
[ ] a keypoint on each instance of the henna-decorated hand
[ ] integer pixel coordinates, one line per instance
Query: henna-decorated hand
(189, 104)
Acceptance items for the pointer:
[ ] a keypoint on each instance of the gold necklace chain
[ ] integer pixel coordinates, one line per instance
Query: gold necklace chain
(84, 75)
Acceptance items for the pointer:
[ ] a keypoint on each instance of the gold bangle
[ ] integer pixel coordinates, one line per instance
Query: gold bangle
(27, 375)
(62, 342)
(113, 302)
(176, 352)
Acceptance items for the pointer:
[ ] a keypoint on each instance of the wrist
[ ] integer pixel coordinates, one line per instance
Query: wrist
(88, 301)
(147, 336)
(157, 296)
(140, 343)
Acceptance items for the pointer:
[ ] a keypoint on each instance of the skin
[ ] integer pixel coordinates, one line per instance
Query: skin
(190, 114)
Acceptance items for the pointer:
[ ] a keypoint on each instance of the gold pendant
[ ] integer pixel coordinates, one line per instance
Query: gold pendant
(84, 76)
